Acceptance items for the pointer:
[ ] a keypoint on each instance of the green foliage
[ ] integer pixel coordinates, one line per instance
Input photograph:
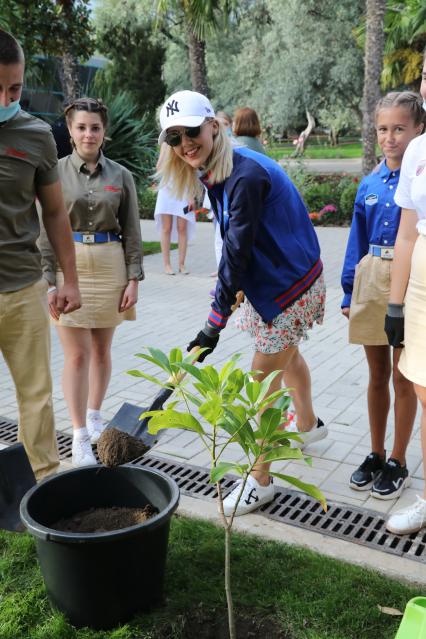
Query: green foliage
(49, 27)
(347, 200)
(318, 195)
(131, 140)
(125, 35)
(147, 198)
(229, 400)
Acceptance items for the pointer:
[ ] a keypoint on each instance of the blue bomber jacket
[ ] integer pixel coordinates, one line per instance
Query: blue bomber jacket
(270, 248)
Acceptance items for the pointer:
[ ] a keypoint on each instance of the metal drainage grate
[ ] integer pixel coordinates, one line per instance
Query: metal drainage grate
(358, 525)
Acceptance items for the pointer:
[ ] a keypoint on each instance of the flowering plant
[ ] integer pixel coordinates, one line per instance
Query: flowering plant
(328, 208)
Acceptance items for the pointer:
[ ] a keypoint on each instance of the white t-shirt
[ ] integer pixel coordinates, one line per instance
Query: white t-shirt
(411, 191)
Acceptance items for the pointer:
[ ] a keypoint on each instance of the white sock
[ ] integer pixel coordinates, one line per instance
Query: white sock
(93, 414)
(80, 434)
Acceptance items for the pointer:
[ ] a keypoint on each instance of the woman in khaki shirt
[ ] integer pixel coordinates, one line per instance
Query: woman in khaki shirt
(100, 197)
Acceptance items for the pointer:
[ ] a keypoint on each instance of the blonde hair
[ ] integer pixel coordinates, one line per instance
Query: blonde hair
(411, 101)
(178, 176)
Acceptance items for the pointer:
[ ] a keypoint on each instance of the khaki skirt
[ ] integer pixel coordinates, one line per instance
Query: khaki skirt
(370, 298)
(102, 279)
(412, 363)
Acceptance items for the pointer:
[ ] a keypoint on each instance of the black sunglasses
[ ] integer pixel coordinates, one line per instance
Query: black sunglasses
(174, 138)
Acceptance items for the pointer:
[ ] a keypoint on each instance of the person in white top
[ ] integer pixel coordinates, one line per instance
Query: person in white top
(405, 322)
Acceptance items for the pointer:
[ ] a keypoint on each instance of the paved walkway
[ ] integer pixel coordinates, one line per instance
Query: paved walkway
(170, 312)
(342, 165)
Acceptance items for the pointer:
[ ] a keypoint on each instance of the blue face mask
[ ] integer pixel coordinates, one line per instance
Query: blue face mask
(6, 113)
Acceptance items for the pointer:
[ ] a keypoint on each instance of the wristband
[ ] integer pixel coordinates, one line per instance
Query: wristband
(51, 289)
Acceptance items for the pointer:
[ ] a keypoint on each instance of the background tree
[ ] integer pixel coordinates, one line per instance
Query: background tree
(126, 35)
(59, 28)
(198, 19)
(405, 32)
(373, 64)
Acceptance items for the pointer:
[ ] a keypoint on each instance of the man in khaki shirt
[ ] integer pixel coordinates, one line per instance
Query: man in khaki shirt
(28, 169)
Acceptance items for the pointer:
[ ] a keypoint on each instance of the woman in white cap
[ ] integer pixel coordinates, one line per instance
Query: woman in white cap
(270, 251)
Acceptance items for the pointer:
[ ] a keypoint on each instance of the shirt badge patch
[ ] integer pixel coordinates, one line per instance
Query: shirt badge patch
(110, 187)
(371, 198)
(15, 153)
(420, 168)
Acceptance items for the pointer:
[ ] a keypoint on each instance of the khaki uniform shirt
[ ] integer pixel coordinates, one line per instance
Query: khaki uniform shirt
(27, 160)
(102, 201)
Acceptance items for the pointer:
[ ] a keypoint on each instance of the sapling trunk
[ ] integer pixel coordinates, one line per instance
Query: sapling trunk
(227, 526)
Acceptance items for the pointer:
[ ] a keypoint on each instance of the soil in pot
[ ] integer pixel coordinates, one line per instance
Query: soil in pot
(116, 447)
(95, 520)
(213, 624)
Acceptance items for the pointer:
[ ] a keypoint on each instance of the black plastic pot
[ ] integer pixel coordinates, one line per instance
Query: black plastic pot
(101, 579)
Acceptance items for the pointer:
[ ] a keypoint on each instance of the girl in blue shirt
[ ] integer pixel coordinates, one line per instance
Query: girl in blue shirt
(366, 285)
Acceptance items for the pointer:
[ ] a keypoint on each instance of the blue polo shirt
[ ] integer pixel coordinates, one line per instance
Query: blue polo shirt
(375, 221)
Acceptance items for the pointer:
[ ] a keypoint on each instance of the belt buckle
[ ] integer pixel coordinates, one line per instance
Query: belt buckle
(386, 253)
(88, 238)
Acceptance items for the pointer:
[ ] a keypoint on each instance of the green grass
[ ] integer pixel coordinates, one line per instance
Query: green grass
(316, 152)
(149, 248)
(311, 596)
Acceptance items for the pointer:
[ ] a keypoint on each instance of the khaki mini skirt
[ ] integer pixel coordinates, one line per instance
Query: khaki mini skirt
(102, 279)
(370, 298)
(412, 363)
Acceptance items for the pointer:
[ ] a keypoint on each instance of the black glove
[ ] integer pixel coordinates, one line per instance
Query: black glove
(203, 340)
(394, 325)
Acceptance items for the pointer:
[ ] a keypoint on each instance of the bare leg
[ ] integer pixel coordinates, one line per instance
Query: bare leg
(166, 231)
(298, 377)
(100, 365)
(405, 410)
(76, 343)
(421, 394)
(378, 395)
(182, 229)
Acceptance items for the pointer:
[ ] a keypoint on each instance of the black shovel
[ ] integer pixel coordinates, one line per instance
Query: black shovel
(16, 478)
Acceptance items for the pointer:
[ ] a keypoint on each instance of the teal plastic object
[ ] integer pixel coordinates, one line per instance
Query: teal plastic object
(413, 624)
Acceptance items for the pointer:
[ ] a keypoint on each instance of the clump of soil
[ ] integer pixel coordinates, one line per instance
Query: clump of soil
(104, 519)
(116, 447)
(213, 624)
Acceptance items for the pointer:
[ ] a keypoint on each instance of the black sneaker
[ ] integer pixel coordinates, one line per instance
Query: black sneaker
(363, 477)
(391, 481)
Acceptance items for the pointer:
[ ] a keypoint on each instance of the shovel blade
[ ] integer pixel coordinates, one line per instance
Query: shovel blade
(16, 478)
(127, 420)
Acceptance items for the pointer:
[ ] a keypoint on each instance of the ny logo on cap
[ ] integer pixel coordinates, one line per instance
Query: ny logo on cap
(172, 107)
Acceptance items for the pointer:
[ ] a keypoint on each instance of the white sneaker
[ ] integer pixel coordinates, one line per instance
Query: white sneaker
(253, 496)
(316, 433)
(95, 428)
(82, 453)
(409, 520)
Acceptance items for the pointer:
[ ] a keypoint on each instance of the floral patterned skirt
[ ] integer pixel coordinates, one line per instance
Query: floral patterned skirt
(290, 327)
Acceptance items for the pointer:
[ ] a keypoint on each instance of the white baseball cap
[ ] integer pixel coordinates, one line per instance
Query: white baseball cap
(184, 108)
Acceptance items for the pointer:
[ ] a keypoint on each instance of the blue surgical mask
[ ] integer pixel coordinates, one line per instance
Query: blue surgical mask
(6, 113)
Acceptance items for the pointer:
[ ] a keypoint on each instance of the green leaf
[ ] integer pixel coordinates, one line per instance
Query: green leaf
(219, 471)
(270, 419)
(211, 377)
(137, 373)
(309, 489)
(192, 370)
(266, 383)
(253, 391)
(175, 356)
(160, 359)
(172, 419)
(211, 410)
(283, 452)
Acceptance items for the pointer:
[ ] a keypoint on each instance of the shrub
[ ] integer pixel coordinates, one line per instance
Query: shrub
(347, 199)
(147, 198)
(318, 195)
